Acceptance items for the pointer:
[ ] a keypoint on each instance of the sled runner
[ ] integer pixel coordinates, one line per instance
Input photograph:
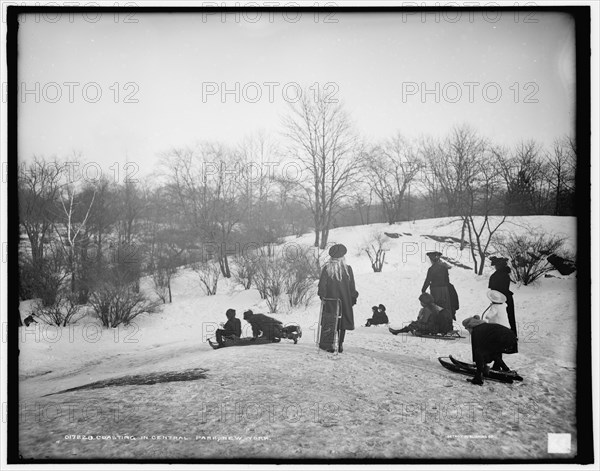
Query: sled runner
(512, 373)
(241, 342)
(471, 371)
(453, 335)
(327, 331)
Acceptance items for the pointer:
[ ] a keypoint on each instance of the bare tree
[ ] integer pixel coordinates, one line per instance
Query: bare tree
(524, 174)
(562, 165)
(39, 184)
(104, 214)
(363, 204)
(482, 193)
(132, 208)
(73, 216)
(327, 148)
(391, 168)
(205, 184)
(454, 163)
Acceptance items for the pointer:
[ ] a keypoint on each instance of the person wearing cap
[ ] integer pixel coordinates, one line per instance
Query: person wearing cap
(438, 282)
(337, 282)
(232, 329)
(488, 343)
(432, 319)
(500, 281)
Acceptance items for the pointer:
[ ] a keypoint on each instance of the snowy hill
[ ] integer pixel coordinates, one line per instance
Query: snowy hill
(370, 401)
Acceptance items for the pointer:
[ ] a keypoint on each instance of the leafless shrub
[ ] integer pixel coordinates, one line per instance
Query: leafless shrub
(244, 270)
(63, 311)
(375, 248)
(208, 272)
(115, 305)
(528, 254)
(301, 273)
(270, 279)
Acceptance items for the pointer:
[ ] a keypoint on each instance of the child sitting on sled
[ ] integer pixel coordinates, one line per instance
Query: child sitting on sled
(232, 330)
(432, 319)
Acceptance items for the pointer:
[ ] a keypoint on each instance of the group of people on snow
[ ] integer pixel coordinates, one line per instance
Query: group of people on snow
(489, 339)
(265, 329)
(338, 294)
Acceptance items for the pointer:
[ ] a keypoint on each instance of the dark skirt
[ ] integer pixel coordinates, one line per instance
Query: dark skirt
(441, 297)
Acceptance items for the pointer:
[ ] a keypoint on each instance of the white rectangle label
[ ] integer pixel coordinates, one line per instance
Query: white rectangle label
(559, 443)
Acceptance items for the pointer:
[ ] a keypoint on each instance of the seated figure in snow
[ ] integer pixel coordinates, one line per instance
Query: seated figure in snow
(379, 316)
(432, 319)
(231, 330)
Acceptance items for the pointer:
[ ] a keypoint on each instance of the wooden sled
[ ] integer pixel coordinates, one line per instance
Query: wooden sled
(453, 335)
(327, 331)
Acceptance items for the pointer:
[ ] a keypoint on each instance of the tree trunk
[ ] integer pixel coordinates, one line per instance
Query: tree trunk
(227, 273)
(462, 235)
(481, 264)
(324, 238)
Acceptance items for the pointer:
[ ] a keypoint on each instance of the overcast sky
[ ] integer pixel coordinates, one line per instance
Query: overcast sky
(161, 78)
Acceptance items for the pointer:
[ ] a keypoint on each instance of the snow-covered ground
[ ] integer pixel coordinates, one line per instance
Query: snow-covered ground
(385, 397)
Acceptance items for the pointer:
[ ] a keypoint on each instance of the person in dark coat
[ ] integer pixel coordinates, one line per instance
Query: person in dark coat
(488, 343)
(432, 319)
(337, 282)
(375, 310)
(438, 282)
(383, 315)
(232, 330)
(271, 328)
(500, 281)
(379, 316)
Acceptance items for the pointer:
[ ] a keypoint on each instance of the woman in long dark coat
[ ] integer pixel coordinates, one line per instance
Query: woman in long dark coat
(337, 282)
(438, 282)
(500, 281)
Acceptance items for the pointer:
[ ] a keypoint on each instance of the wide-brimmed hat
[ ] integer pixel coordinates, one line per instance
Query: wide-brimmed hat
(471, 322)
(494, 261)
(337, 251)
(382, 307)
(496, 296)
(374, 308)
(434, 254)
(426, 299)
